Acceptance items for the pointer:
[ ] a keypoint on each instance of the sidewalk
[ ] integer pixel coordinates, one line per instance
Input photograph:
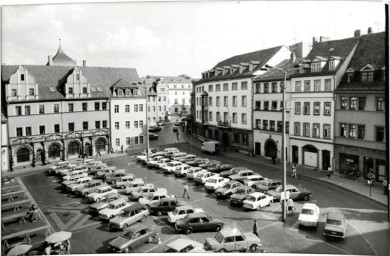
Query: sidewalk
(359, 187)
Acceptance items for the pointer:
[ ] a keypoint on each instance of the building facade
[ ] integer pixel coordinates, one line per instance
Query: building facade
(360, 119)
(4, 144)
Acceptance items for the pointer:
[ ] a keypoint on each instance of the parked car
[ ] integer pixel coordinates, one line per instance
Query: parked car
(252, 179)
(232, 171)
(154, 128)
(180, 212)
(72, 180)
(295, 193)
(96, 207)
(309, 215)
(199, 221)
(171, 167)
(101, 193)
(79, 184)
(145, 191)
(197, 161)
(209, 164)
(265, 185)
(187, 158)
(64, 170)
(161, 163)
(153, 161)
(124, 181)
(257, 200)
(241, 175)
(181, 170)
(58, 165)
(178, 155)
(133, 237)
(106, 172)
(219, 168)
(241, 194)
(135, 185)
(165, 205)
(227, 189)
(97, 168)
(335, 225)
(130, 215)
(215, 183)
(193, 171)
(153, 136)
(170, 151)
(90, 187)
(229, 240)
(117, 176)
(113, 209)
(76, 172)
(143, 158)
(202, 178)
(183, 245)
(155, 197)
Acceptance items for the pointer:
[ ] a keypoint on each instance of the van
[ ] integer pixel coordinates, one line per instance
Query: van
(212, 147)
(168, 150)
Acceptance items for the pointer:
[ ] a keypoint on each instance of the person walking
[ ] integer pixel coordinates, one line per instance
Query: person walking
(330, 172)
(290, 206)
(186, 190)
(256, 228)
(385, 187)
(33, 213)
(294, 170)
(177, 136)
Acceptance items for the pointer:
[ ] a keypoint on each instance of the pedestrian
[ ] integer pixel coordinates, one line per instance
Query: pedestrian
(294, 170)
(290, 206)
(186, 190)
(98, 153)
(104, 178)
(273, 159)
(177, 136)
(256, 228)
(33, 213)
(385, 187)
(330, 172)
(122, 149)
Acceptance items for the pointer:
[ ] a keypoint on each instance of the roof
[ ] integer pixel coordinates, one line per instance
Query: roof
(275, 74)
(256, 194)
(228, 231)
(309, 206)
(197, 214)
(184, 207)
(56, 76)
(61, 59)
(133, 207)
(118, 201)
(124, 84)
(171, 79)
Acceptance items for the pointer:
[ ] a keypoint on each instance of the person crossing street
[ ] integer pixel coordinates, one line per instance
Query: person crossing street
(185, 192)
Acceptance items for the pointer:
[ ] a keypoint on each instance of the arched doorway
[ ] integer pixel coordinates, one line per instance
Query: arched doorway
(54, 151)
(270, 148)
(73, 148)
(310, 155)
(100, 145)
(39, 156)
(23, 155)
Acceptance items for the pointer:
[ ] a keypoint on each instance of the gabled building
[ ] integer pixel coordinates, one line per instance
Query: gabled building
(360, 118)
(312, 100)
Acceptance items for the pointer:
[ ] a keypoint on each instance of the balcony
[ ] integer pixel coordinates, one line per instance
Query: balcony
(224, 123)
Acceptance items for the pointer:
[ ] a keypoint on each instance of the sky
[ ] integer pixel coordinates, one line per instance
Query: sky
(173, 38)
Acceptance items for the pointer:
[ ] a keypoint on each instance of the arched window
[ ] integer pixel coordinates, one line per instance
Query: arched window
(54, 151)
(73, 148)
(100, 145)
(23, 155)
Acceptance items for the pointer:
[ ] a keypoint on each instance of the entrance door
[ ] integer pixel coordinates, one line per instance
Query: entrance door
(295, 154)
(257, 148)
(325, 159)
(225, 140)
(270, 148)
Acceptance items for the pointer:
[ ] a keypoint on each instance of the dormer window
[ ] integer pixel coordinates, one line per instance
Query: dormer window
(31, 92)
(77, 77)
(368, 77)
(85, 90)
(127, 92)
(331, 65)
(120, 92)
(21, 77)
(350, 77)
(135, 92)
(316, 67)
(70, 90)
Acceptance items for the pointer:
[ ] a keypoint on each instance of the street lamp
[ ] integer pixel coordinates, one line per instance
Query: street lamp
(147, 125)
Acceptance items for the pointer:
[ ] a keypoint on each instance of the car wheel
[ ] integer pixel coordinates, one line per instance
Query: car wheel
(306, 197)
(188, 231)
(217, 228)
(253, 248)
(222, 250)
(127, 250)
(125, 226)
(158, 213)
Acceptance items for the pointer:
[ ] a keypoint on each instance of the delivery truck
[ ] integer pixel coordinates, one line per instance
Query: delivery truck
(212, 147)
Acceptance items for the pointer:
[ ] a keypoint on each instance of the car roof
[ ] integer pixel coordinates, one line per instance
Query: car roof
(243, 187)
(180, 243)
(174, 162)
(168, 199)
(105, 186)
(309, 206)
(135, 228)
(335, 216)
(254, 176)
(133, 207)
(290, 187)
(136, 180)
(257, 194)
(228, 231)
(118, 201)
(197, 214)
(184, 207)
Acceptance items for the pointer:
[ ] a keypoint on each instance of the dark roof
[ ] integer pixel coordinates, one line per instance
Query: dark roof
(55, 76)
(61, 59)
(275, 74)
(374, 87)
(124, 84)
(172, 79)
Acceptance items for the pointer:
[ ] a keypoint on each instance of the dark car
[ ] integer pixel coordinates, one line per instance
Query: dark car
(154, 128)
(163, 206)
(175, 129)
(265, 185)
(153, 136)
(335, 225)
(209, 164)
(133, 237)
(232, 171)
(199, 221)
(295, 193)
(239, 196)
(219, 168)
(197, 161)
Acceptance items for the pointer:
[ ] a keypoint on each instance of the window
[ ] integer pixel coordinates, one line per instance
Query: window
(353, 103)
(165, 98)
(367, 76)
(183, 101)
(22, 155)
(116, 125)
(243, 118)
(217, 87)
(234, 86)
(307, 86)
(85, 106)
(235, 118)
(176, 101)
(31, 92)
(297, 128)
(127, 124)
(274, 87)
(331, 65)
(327, 108)
(127, 141)
(120, 92)
(243, 101)
(236, 138)
(135, 124)
(210, 101)
(361, 131)
(210, 87)
(316, 108)
(258, 123)
(97, 105)
(257, 104)
(135, 107)
(19, 132)
(141, 107)
(175, 93)
(279, 126)
(104, 125)
(136, 140)
(344, 102)
(274, 105)
(234, 101)
(22, 77)
(211, 116)
(316, 130)
(41, 129)
(148, 109)
(56, 128)
(316, 66)
(28, 131)
(350, 77)
(218, 116)
(245, 139)
(287, 127)
(85, 91)
(70, 90)
(226, 87)
(141, 139)
(266, 87)
(244, 85)
(27, 110)
(165, 108)
(306, 129)
(18, 110)
(176, 110)
(328, 85)
(272, 125)
(362, 103)
(317, 85)
(225, 101)
(14, 93)
(56, 108)
(326, 131)
(85, 126)
(117, 142)
(159, 108)
(379, 133)
(306, 108)
(297, 86)
(297, 108)
(41, 109)
(343, 130)
(127, 92)
(104, 105)
(352, 131)
(265, 124)
(97, 124)
(380, 104)
(71, 127)
(257, 88)
(266, 105)
(141, 124)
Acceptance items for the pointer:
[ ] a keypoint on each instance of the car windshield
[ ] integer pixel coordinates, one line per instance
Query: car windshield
(219, 237)
(252, 199)
(226, 186)
(111, 206)
(241, 191)
(127, 234)
(98, 191)
(171, 164)
(307, 211)
(334, 222)
(212, 181)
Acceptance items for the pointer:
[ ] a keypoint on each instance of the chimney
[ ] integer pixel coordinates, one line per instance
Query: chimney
(84, 63)
(324, 38)
(369, 31)
(357, 33)
(49, 60)
(315, 40)
(292, 57)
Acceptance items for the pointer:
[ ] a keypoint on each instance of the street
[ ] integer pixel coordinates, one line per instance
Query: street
(367, 232)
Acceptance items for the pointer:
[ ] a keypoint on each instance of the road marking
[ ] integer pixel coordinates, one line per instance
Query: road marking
(372, 248)
(160, 244)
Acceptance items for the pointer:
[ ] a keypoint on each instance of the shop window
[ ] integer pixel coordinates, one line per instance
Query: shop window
(22, 155)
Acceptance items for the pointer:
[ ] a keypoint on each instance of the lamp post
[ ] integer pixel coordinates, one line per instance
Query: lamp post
(147, 125)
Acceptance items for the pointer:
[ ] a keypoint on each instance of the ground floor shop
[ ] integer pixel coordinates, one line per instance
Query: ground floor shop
(269, 144)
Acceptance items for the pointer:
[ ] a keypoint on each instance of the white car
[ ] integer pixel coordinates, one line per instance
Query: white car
(79, 184)
(134, 185)
(106, 171)
(171, 167)
(161, 163)
(64, 170)
(153, 198)
(153, 161)
(181, 170)
(253, 179)
(101, 193)
(202, 178)
(257, 200)
(72, 180)
(96, 168)
(59, 165)
(76, 172)
(180, 212)
(309, 215)
(124, 181)
(113, 209)
(193, 171)
(215, 183)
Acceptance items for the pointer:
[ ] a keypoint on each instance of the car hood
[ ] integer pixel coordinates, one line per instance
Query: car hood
(143, 201)
(119, 242)
(118, 219)
(273, 193)
(234, 176)
(171, 215)
(262, 186)
(225, 173)
(306, 217)
(252, 237)
(105, 211)
(238, 196)
(212, 241)
(221, 190)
